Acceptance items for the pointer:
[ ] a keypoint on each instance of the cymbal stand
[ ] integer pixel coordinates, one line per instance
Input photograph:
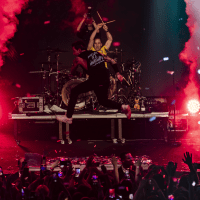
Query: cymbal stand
(57, 78)
(121, 56)
(50, 70)
(44, 80)
(121, 60)
(116, 79)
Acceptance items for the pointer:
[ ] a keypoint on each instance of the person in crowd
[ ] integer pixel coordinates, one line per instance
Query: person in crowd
(42, 192)
(95, 182)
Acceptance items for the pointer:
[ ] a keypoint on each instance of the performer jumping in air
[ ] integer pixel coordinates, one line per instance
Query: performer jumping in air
(95, 43)
(98, 80)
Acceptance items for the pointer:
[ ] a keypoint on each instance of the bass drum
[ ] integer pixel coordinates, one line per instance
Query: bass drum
(83, 98)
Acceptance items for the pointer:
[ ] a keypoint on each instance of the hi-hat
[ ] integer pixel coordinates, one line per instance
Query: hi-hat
(50, 63)
(38, 72)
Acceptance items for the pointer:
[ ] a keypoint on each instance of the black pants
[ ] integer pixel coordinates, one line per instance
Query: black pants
(101, 91)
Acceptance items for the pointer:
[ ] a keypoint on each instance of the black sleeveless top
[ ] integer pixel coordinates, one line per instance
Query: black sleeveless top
(96, 67)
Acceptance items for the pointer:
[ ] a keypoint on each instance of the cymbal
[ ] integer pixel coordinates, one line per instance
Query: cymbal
(65, 71)
(38, 72)
(60, 51)
(116, 52)
(56, 72)
(48, 49)
(50, 63)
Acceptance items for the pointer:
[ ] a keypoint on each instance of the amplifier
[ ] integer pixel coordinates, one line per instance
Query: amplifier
(30, 104)
(156, 104)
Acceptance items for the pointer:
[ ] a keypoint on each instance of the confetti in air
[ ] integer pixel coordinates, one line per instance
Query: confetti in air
(17, 85)
(116, 44)
(8, 22)
(190, 55)
(173, 102)
(47, 22)
(164, 59)
(170, 72)
(152, 119)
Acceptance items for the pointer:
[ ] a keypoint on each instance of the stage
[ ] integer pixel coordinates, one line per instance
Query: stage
(93, 136)
(113, 116)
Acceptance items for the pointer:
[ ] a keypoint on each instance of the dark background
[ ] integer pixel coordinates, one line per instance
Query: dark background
(147, 30)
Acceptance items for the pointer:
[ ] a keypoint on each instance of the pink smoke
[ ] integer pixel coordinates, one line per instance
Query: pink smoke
(8, 22)
(191, 54)
(8, 26)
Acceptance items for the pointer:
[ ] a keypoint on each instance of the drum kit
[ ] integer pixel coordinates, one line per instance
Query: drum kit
(65, 82)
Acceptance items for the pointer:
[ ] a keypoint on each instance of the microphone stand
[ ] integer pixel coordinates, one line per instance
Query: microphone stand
(174, 142)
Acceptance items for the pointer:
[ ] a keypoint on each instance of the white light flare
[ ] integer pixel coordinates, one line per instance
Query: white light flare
(193, 106)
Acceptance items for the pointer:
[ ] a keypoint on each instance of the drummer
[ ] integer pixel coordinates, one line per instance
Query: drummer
(86, 27)
(95, 43)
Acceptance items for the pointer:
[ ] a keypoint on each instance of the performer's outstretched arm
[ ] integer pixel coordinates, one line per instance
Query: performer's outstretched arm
(109, 37)
(81, 23)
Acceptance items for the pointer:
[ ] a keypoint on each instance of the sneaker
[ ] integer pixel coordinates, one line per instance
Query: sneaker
(64, 119)
(126, 110)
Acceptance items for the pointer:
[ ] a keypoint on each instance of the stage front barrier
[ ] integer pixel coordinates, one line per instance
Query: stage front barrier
(114, 117)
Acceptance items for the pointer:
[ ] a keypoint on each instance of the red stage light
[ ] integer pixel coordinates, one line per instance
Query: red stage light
(116, 44)
(193, 106)
(105, 19)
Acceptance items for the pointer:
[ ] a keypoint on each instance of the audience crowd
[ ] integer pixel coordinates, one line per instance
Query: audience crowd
(128, 181)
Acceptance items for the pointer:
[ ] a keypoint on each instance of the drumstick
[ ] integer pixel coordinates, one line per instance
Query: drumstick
(100, 17)
(110, 22)
(126, 81)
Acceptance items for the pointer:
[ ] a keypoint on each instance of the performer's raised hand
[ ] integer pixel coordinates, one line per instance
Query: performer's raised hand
(99, 26)
(114, 160)
(187, 158)
(85, 16)
(105, 28)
